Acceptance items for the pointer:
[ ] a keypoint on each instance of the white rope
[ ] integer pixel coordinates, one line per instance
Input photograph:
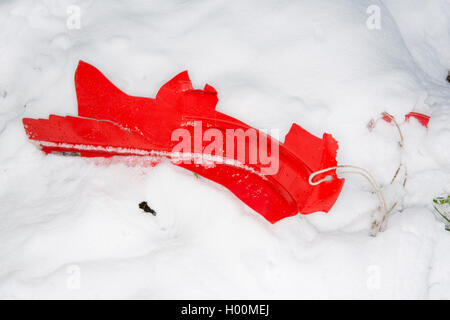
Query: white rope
(401, 144)
(366, 174)
(397, 125)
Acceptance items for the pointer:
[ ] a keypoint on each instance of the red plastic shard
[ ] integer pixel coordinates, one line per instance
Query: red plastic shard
(386, 117)
(422, 118)
(182, 124)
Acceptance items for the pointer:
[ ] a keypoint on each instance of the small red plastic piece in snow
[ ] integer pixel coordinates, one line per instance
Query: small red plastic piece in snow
(422, 118)
(112, 123)
(387, 117)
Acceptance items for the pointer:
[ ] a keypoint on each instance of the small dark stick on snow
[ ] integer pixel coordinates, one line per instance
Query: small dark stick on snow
(448, 77)
(144, 206)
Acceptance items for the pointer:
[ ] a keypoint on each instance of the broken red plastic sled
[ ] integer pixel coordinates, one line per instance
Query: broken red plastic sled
(112, 123)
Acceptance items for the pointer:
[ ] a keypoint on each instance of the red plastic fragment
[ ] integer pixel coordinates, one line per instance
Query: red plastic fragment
(422, 118)
(386, 117)
(112, 123)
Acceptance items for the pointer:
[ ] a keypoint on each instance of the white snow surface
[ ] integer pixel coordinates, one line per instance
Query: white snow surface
(70, 227)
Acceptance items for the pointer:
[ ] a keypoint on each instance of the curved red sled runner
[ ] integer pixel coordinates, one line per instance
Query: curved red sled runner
(112, 123)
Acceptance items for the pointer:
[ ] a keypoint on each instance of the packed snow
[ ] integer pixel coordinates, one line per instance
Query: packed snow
(71, 227)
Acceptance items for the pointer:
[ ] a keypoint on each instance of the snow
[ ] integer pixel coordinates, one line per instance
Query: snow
(71, 227)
